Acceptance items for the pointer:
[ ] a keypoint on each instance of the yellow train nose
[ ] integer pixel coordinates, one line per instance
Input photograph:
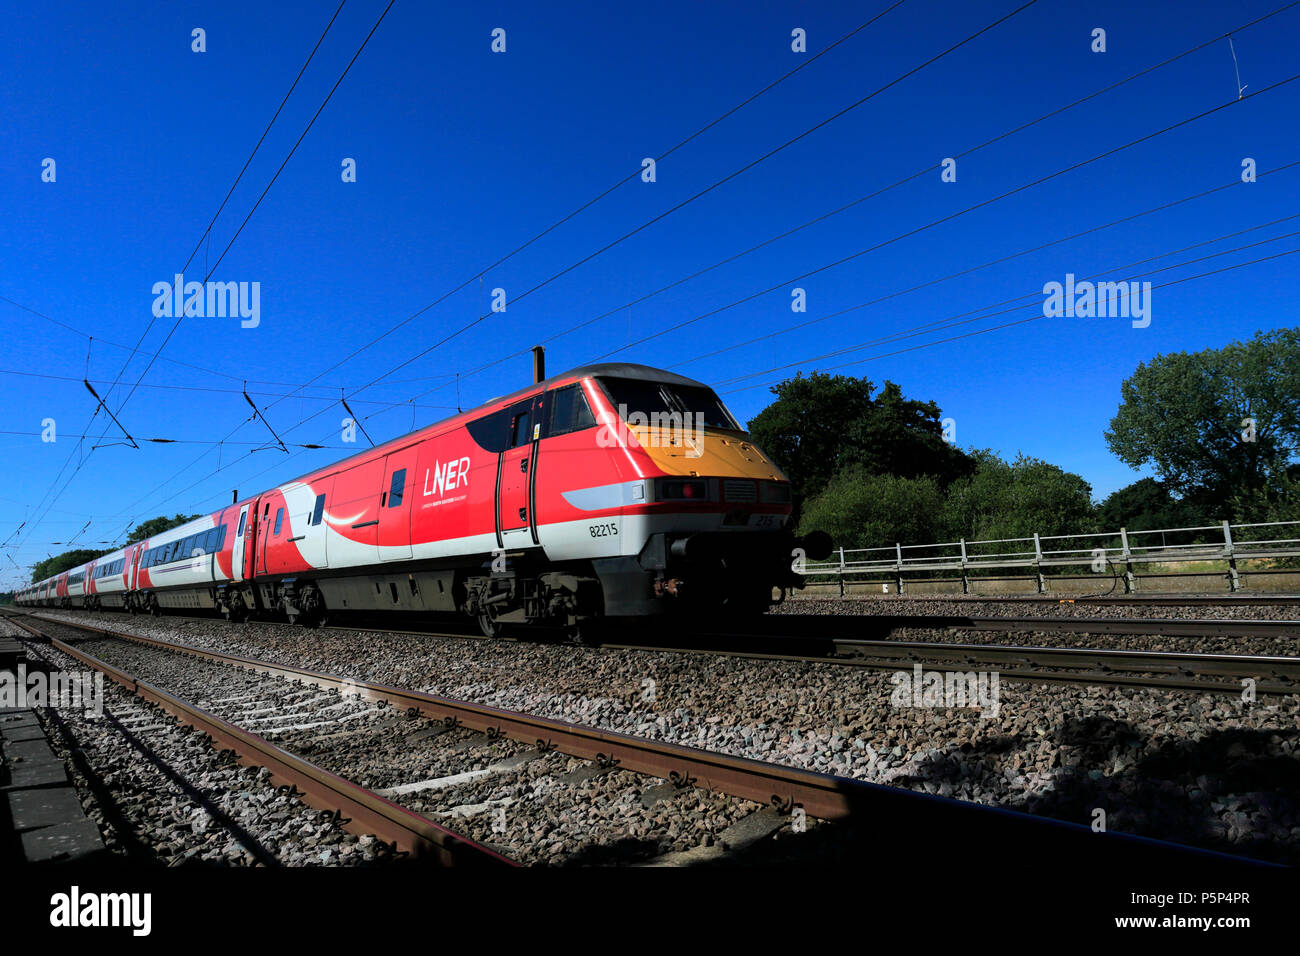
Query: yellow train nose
(705, 452)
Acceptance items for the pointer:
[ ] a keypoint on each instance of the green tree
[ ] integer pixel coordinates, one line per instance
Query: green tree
(1189, 415)
(59, 563)
(904, 437)
(861, 510)
(1015, 500)
(1278, 502)
(823, 424)
(71, 559)
(156, 526)
(805, 429)
(1146, 505)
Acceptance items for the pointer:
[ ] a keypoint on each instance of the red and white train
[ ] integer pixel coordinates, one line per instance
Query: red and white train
(611, 491)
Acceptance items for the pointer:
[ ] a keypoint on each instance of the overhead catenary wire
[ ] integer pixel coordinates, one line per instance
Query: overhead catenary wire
(274, 467)
(158, 351)
(708, 189)
(629, 176)
(462, 329)
(633, 174)
(951, 216)
(267, 189)
(985, 313)
(1032, 318)
(799, 326)
(882, 190)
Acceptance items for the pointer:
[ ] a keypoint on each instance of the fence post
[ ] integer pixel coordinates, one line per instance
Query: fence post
(965, 583)
(1038, 563)
(1234, 582)
(898, 550)
(841, 572)
(1130, 585)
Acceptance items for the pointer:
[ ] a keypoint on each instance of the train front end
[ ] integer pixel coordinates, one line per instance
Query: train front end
(704, 525)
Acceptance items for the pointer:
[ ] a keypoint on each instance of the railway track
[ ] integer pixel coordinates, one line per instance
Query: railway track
(1129, 600)
(360, 810)
(158, 794)
(1221, 673)
(848, 626)
(837, 639)
(872, 814)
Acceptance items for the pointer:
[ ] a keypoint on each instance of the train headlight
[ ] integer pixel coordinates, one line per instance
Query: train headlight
(775, 493)
(681, 489)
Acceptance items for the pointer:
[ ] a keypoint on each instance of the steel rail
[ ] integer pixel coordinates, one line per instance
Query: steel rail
(1276, 676)
(835, 625)
(1132, 600)
(361, 811)
(892, 815)
(820, 795)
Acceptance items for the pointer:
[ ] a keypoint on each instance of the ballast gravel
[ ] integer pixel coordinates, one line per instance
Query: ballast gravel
(1217, 770)
(160, 794)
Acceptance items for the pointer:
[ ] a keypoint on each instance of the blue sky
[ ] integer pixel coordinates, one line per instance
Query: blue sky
(463, 154)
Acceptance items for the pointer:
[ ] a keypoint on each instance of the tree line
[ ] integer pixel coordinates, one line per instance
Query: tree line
(59, 563)
(1220, 428)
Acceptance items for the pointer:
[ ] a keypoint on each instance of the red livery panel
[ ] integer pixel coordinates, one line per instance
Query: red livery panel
(612, 491)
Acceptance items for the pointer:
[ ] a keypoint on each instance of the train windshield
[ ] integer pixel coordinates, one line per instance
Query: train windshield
(632, 396)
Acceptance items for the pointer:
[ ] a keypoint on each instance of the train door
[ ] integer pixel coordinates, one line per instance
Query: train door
(238, 571)
(261, 533)
(514, 478)
(395, 505)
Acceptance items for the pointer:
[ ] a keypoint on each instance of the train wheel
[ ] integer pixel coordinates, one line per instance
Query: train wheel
(239, 610)
(587, 633)
(489, 625)
(314, 611)
(154, 609)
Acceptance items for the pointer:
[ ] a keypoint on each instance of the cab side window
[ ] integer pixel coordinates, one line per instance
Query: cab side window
(569, 411)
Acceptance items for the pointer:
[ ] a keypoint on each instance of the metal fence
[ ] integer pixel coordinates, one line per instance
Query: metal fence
(1119, 551)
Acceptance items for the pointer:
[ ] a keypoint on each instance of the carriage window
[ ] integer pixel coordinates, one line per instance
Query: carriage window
(320, 509)
(569, 411)
(242, 516)
(521, 425)
(395, 489)
(279, 517)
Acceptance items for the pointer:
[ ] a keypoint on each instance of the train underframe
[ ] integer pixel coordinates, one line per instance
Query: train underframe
(696, 575)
